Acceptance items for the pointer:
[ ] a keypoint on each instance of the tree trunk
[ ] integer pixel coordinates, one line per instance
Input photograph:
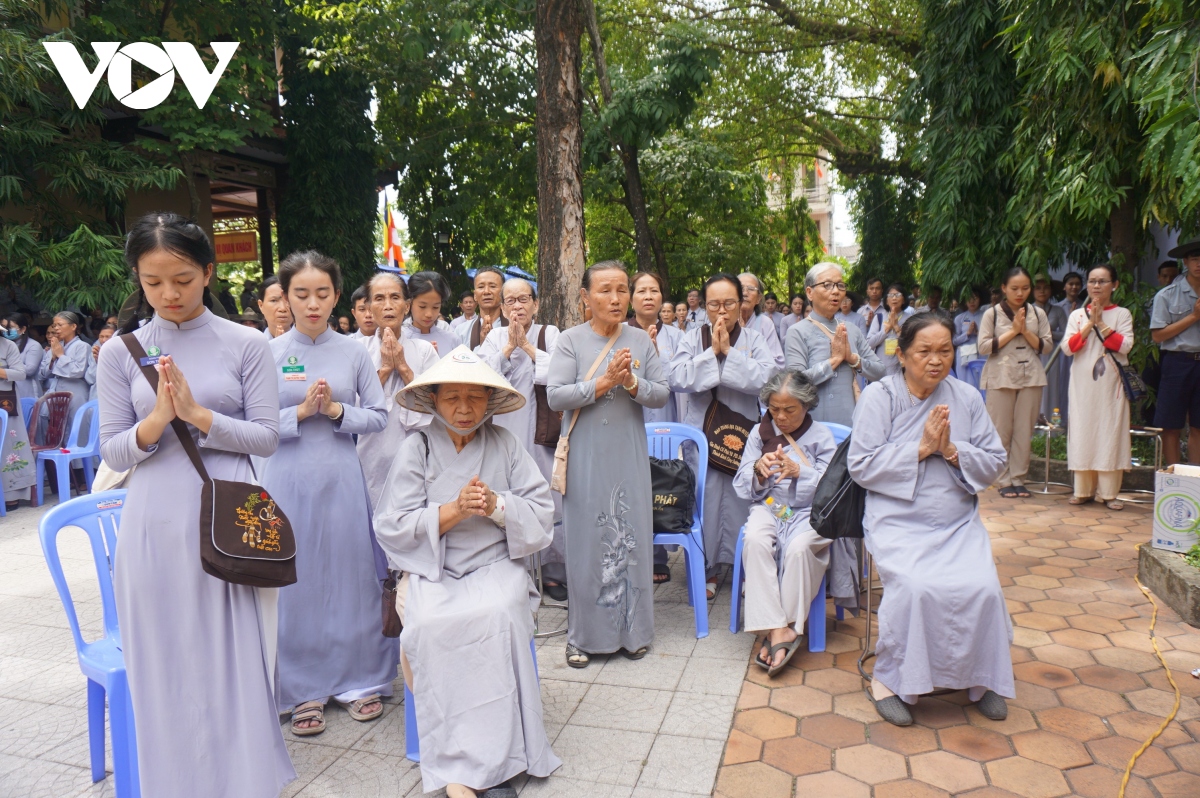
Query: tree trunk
(557, 31)
(1122, 223)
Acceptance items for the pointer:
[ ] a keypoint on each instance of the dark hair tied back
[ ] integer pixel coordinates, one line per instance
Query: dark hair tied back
(602, 266)
(170, 232)
(309, 259)
(1108, 267)
(424, 282)
(719, 277)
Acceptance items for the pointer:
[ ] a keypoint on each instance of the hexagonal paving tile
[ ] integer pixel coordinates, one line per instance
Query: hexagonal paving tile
(834, 731)
(765, 723)
(1044, 675)
(947, 771)
(796, 756)
(801, 701)
(1093, 700)
(870, 764)
(1051, 749)
(753, 780)
(1027, 778)
(831, 783)
(975, 743)
(1072, 723)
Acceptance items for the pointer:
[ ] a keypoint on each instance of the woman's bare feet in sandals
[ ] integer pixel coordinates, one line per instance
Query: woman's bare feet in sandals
(308, 719)
(364, 709)
(776, 636)
(460, 791)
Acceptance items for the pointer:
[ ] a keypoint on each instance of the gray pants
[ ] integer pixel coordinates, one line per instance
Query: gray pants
(776, 598)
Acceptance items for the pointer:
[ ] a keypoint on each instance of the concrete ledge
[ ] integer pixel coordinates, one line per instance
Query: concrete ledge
(1172, 580)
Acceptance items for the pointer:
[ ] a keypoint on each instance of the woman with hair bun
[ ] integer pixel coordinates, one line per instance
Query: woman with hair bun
(429, 292)
(65, 363)
(199, 651)
(330, 643)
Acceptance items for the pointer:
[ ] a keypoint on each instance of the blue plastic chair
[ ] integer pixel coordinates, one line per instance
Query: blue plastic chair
(664, 440)
(816, 610)
(975, 373)
(27, 403)
(75, 449)
(101, 661)
(412, 741)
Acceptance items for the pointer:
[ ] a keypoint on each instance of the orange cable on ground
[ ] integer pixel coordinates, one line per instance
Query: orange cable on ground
(1170, 678)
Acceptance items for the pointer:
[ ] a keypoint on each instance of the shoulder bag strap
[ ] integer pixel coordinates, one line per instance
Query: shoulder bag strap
(797, 449)
(139, 354)
(541, 344)
(599, 359)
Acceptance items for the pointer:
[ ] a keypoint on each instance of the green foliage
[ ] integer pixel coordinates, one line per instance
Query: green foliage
(645, 108)
(1192, 557)
(62, 184)
(1078, 141)
(963, 99)
(1166, 95)
(710, 214)
(329, 200)
(885, 210)
(455, 88)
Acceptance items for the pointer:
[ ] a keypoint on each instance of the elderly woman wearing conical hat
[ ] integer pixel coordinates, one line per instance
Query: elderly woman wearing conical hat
(463, 504)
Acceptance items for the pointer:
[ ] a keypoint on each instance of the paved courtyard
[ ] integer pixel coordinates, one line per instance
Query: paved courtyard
(694, 717)
(1089, 688)
(656, 727)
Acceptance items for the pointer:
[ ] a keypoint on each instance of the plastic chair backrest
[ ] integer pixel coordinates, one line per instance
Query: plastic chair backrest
(664, 440)
(840, 431)
(93, 440)
(27, 403)
(59, 403)
(99, 515)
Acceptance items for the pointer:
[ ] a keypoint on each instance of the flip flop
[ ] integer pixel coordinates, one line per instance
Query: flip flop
(758, 660)
(790, 648)
(577, 658)
(1022, 492)
(710, 589)
(662, 570)
(641, 652)
(1010, 492)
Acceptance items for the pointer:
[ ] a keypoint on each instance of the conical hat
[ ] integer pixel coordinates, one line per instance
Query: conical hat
(464, 367)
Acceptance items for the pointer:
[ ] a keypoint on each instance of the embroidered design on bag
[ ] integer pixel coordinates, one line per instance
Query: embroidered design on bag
(734, 442)
(261, 523)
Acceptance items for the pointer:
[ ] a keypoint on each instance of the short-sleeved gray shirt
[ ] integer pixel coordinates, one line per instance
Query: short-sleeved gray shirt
(1172, 304)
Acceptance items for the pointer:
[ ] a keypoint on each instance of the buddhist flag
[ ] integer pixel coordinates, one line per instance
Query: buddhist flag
(392, 253)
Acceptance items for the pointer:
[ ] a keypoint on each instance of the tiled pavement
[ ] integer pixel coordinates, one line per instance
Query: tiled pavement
(1089, 692)
(1089, 688)
(656, 727)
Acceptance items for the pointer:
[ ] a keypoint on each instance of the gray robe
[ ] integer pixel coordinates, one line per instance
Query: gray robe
(764, 325)
(376, 450)
(807, 349)
(738, 378)
(523, 373)
(197, 649)
(329, 628)
(1052, 394)
(468, 617)
(67, 373)
(607, 509)
(943, 623)
(31, 356)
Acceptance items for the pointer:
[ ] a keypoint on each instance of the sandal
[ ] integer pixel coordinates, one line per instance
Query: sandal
(309, 710)
(789, 647)
(355, 708)
(1009, 492)
(641, 652)
(1115, 504)
(710, 587)
(663, 571)
(577, 658)
(1078, 500)
(1022, 492)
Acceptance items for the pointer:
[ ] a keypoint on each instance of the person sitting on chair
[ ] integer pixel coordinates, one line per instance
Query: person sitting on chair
(464, 502)
(784, 558)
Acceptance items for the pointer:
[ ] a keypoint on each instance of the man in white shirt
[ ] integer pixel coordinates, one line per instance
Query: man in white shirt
(466, 303)
(489, 285)
(874, 301)
(696, 317)
(361, 309)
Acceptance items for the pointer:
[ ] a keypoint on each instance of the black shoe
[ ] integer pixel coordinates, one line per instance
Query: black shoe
(555, 590)
(504, 790)
(894, 711)
(992, 706)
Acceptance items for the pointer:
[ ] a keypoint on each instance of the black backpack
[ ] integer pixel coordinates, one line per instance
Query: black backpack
(674, 487)
(838, 504)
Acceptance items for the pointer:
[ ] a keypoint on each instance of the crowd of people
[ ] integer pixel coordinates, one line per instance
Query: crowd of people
(452, 452)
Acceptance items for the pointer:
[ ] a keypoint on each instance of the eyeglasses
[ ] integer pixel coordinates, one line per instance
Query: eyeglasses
(716, 304)
(894, 295)
(1098, 283)
(830, 286)
(513, 301)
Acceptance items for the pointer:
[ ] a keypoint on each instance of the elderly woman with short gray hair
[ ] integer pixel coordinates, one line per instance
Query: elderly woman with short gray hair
(830, 354)
(784, 559)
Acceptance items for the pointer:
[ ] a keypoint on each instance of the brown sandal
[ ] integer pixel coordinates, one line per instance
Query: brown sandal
(309, 710)
(355, 708)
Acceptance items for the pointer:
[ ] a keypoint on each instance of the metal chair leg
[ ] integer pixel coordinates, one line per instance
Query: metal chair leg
(541, 586)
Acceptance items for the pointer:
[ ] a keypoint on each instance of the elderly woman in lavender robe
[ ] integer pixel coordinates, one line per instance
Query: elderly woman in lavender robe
(398, 359)
(925, 450)
(734, 362)
(464, 503)
(784, 558)
(330, 643)
(522, 356)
